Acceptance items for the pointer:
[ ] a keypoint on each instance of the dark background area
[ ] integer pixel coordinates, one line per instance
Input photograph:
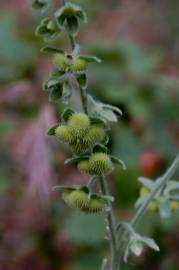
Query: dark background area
(138, 42)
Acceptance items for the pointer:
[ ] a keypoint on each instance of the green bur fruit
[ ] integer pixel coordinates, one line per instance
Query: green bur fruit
(83, 166)
(95, 134)
(81, 200)
(61, 60)
(79, 134)
(79, 65)
(79, 125)
(95, 205)
(63, 133)
(100, 164)
(76, 198)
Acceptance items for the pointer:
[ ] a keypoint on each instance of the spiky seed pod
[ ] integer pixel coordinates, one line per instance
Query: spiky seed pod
(78, 65)
(63, 133)
(96, 134)
(79, 125)
(100, 164)
(60, 60)
(79, 146)
(174, 205)
(95, 205)
(83, 166)
(76, 198)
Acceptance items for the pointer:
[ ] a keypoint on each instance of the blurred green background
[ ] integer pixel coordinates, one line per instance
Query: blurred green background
(138, 42)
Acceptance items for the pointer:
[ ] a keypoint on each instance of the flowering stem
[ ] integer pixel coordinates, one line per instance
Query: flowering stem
(104, 188)
(140, 213)
(111, 224)
(160, 183)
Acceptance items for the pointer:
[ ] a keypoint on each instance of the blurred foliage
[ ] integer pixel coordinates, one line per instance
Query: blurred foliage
(17, 55)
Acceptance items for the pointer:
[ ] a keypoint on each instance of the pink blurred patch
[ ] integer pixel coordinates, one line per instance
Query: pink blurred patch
(14, 91)
(33, 154)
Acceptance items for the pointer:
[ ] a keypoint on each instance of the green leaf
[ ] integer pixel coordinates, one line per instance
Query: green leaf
(51, 130)
(39, 4)
(60, 19)
(118, 162)
(148, 183)
(81, 14)
(164, 208)
(75, 159)
(67, 114)
(67, 91)
(97, 120)
(55, 93)
(50, 83)
(72, 25)
(90, 58)
(52, 50)
(108, 114)
(62, 187)
(100, 148)
(149, 242)
(82, 80)
(105, 140)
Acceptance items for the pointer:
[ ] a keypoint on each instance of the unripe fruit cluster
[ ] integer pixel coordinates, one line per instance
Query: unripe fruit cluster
(98, 164)
(70, 63)
(79, 133)
(83, 201)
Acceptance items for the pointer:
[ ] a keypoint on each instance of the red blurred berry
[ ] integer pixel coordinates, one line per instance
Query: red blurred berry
(149, 163)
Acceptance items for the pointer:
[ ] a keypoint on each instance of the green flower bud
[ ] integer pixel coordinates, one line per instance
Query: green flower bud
(83, 166)
(95, 205)
(79, 65)
(100, 164)
(96, 134)
(63, 133)
(60, 60)
(79, 125)
(174, 205)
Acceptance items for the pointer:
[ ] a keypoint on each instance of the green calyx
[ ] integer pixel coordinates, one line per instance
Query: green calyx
(69, 16)
(79, 65)
(47, 28)
(69, 63)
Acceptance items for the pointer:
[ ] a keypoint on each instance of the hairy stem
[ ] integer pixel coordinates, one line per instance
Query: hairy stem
(84, 99)
(111, 224)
